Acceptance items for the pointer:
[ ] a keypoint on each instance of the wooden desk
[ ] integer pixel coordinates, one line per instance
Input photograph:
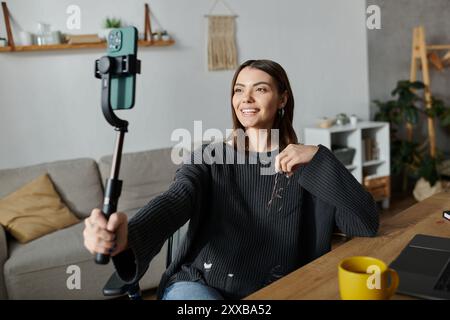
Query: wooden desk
(319, 279)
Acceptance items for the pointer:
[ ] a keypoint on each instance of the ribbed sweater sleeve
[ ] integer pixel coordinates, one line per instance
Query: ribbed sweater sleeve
(356, 213)
(161, 217)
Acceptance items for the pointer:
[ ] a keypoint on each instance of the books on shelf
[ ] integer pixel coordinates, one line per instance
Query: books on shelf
(82, 38)
(371, 149)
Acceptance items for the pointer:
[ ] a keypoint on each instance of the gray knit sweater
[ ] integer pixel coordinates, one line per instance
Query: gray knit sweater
(247, 228)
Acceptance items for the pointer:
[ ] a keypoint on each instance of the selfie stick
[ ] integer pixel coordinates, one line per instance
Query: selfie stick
(105, 68)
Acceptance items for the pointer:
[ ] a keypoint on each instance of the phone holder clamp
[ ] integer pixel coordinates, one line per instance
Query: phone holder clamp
(105, 69)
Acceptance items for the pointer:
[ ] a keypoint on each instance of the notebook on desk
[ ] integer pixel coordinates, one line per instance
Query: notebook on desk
(424, 267)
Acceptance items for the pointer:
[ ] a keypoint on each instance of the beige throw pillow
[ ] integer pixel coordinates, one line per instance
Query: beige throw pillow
(35, 210)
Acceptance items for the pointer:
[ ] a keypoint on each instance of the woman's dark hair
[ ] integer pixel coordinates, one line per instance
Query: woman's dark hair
(283, 124)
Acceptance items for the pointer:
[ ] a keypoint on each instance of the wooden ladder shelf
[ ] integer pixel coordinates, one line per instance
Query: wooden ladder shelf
(421, 52)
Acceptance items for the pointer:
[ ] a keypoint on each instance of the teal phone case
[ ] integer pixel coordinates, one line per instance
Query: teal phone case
(122, 88)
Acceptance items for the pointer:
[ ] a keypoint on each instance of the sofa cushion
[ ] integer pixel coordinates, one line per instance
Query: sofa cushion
(35, 210)
(76, 181)
(144, 174)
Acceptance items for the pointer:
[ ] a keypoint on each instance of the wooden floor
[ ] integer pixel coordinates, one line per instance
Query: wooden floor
(398, 204)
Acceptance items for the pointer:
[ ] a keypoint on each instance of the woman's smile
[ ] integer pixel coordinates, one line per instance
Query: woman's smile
(249, 112)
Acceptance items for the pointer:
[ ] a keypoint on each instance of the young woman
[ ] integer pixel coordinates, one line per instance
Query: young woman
(246, 229)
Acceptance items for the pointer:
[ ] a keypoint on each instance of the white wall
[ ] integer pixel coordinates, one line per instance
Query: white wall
(50, 101)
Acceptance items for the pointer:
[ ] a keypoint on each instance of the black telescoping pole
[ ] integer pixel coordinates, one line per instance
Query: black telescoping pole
(113, 188)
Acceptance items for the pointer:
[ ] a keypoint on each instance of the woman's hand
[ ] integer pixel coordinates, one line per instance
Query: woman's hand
(293, 156)
(108, 237)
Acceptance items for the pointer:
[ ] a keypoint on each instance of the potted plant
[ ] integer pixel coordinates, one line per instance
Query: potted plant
(411, 156)
(108, 25)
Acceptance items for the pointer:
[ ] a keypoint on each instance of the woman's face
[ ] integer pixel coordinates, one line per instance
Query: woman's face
(256, 99)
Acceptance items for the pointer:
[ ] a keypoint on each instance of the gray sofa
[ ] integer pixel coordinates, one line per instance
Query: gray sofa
(39, 269)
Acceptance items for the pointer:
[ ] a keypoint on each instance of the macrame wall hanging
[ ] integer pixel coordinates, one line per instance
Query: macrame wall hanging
(222, 51)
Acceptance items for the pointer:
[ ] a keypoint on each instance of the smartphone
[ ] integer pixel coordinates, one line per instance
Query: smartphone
(122, 42)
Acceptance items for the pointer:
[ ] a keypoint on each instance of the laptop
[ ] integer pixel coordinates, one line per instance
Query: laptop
(424, 267)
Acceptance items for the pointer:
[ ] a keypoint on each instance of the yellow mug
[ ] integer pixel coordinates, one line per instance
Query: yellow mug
(366, 278)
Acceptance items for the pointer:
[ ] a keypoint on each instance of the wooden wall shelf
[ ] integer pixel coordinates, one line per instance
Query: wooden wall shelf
(100, 45)
(148, 41)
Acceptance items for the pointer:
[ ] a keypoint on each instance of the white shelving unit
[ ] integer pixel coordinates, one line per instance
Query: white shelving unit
(352, 136)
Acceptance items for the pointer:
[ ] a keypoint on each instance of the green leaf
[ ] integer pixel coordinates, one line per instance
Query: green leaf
(405, 87)
(445, 119)
(437, 108)
(411, 114)
(112, 23)
(417, 85)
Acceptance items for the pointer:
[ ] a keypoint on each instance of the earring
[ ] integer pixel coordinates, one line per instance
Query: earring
(281, 112)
